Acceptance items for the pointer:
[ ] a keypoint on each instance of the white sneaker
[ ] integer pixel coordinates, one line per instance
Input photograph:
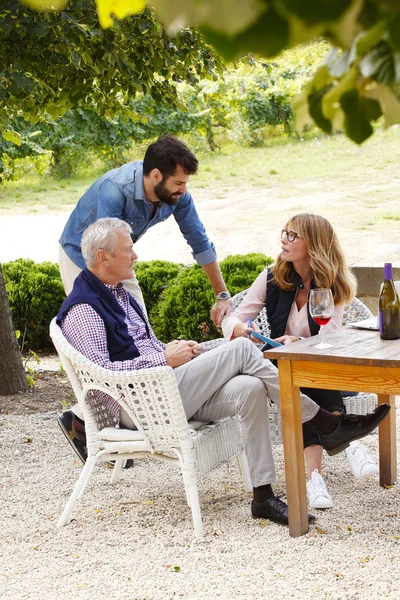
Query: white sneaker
(360, 461)
(317, 494)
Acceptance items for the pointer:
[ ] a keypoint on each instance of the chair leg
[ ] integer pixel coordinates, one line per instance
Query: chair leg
(119, 465)
(195, 508)
(187, 495)
(244, 471)
(78, 490)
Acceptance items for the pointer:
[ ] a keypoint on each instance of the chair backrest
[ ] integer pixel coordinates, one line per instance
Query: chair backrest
(150, 396)
(353, 312)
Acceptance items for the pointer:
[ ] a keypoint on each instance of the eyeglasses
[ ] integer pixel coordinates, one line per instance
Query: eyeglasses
(289, 235)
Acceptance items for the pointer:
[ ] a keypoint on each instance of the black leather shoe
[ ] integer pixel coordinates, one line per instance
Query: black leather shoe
(74, 430)
(353, 427)
(273, 509)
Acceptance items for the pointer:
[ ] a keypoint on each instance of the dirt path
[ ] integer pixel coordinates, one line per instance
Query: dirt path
(237, 221)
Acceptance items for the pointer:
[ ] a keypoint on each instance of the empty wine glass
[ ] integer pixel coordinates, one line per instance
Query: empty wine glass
(321, 308)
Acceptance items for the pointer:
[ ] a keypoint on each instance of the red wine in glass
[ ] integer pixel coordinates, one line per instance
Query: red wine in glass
(321, 308)
(322, 320)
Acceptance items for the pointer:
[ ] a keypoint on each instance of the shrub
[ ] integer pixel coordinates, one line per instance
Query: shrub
(154, 277)
(184, 308)
(240, 270)
(35, 293)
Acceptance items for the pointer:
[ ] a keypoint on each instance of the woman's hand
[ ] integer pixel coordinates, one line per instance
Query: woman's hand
(241, 330)
(287, 339)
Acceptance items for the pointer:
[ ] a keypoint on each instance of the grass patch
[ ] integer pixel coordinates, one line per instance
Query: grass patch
(290, 168)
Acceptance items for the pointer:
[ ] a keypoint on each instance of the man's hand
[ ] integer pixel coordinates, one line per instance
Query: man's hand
(219, 310)
(180, 352)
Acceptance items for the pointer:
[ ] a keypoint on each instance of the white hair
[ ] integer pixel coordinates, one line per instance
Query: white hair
(101, 235)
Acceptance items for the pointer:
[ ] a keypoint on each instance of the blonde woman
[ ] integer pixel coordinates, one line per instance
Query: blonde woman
(310, 257)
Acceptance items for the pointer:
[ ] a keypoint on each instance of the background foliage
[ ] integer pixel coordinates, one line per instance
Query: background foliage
(51, 62)
(250, 101)
(178, 298)
(357, 85)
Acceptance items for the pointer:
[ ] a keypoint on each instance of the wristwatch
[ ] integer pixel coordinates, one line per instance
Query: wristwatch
(223, 296)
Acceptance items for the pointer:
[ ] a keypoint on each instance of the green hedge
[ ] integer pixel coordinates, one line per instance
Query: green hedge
(178, 298)
(183, 310)
(154, 277)
(35, 293)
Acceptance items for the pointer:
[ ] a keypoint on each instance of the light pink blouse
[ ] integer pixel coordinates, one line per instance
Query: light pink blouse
(255, 300)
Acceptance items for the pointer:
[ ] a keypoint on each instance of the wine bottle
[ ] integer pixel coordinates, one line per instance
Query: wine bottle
(389, 307)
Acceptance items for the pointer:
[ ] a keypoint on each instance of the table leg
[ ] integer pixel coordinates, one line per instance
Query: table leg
(293, 451)
(387, 443)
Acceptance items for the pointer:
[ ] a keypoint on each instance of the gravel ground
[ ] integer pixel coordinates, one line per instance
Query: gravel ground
(135, 540)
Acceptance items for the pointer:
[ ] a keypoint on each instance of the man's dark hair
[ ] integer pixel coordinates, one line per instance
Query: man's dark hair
(166, 154)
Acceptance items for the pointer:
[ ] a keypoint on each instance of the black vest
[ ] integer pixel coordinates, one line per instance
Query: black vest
(88, 289)
(279, 304)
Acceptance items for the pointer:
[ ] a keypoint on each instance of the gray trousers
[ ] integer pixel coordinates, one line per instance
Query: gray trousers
(235, 379)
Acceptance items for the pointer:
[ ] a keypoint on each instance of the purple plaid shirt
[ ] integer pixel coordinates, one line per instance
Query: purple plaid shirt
(85, 331)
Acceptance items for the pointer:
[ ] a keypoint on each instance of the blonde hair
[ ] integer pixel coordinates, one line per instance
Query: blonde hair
(326, 258)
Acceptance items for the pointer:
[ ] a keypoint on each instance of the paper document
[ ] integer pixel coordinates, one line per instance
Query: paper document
(371, 323)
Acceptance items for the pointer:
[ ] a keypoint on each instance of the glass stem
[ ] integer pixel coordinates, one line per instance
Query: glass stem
(322, 334)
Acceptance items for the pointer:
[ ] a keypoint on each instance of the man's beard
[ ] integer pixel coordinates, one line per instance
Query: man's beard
(164, 195)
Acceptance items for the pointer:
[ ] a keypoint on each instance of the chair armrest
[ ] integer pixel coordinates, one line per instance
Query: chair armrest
(211, 344)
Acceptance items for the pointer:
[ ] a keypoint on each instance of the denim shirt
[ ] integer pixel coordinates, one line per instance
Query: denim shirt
(120, 193)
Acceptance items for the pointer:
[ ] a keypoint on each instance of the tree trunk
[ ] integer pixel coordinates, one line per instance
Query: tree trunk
(12, 374)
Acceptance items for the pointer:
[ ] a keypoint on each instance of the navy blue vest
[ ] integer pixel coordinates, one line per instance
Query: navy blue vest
(279, 304)
(88, 289)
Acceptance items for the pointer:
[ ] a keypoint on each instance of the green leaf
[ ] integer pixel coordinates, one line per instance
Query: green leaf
(371, 108)
(268, 36)
(316, 11)
(378, 64)
(301, 112)
(388, 102)
(356, 123)
(12, 136)
(394, 31)
(315, 109)
(45, 4)
(21, 79)
(337, 63)
(227, 17)
(330, 101)
(368, 39)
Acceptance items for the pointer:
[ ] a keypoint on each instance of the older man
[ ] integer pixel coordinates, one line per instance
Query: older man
(106, 324)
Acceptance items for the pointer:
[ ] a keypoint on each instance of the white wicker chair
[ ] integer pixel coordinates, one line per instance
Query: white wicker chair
(360, 404)
(151, 398)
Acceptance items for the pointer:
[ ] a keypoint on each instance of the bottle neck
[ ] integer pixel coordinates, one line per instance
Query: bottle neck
(387, 271)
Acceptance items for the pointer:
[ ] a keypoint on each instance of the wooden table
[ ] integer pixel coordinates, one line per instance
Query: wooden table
(358, 361)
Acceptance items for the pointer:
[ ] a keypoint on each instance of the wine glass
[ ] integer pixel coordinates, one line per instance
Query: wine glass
(321, 309)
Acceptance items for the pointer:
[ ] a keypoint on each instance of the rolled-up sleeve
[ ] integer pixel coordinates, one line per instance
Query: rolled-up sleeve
(251, 305)
(193, 230)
